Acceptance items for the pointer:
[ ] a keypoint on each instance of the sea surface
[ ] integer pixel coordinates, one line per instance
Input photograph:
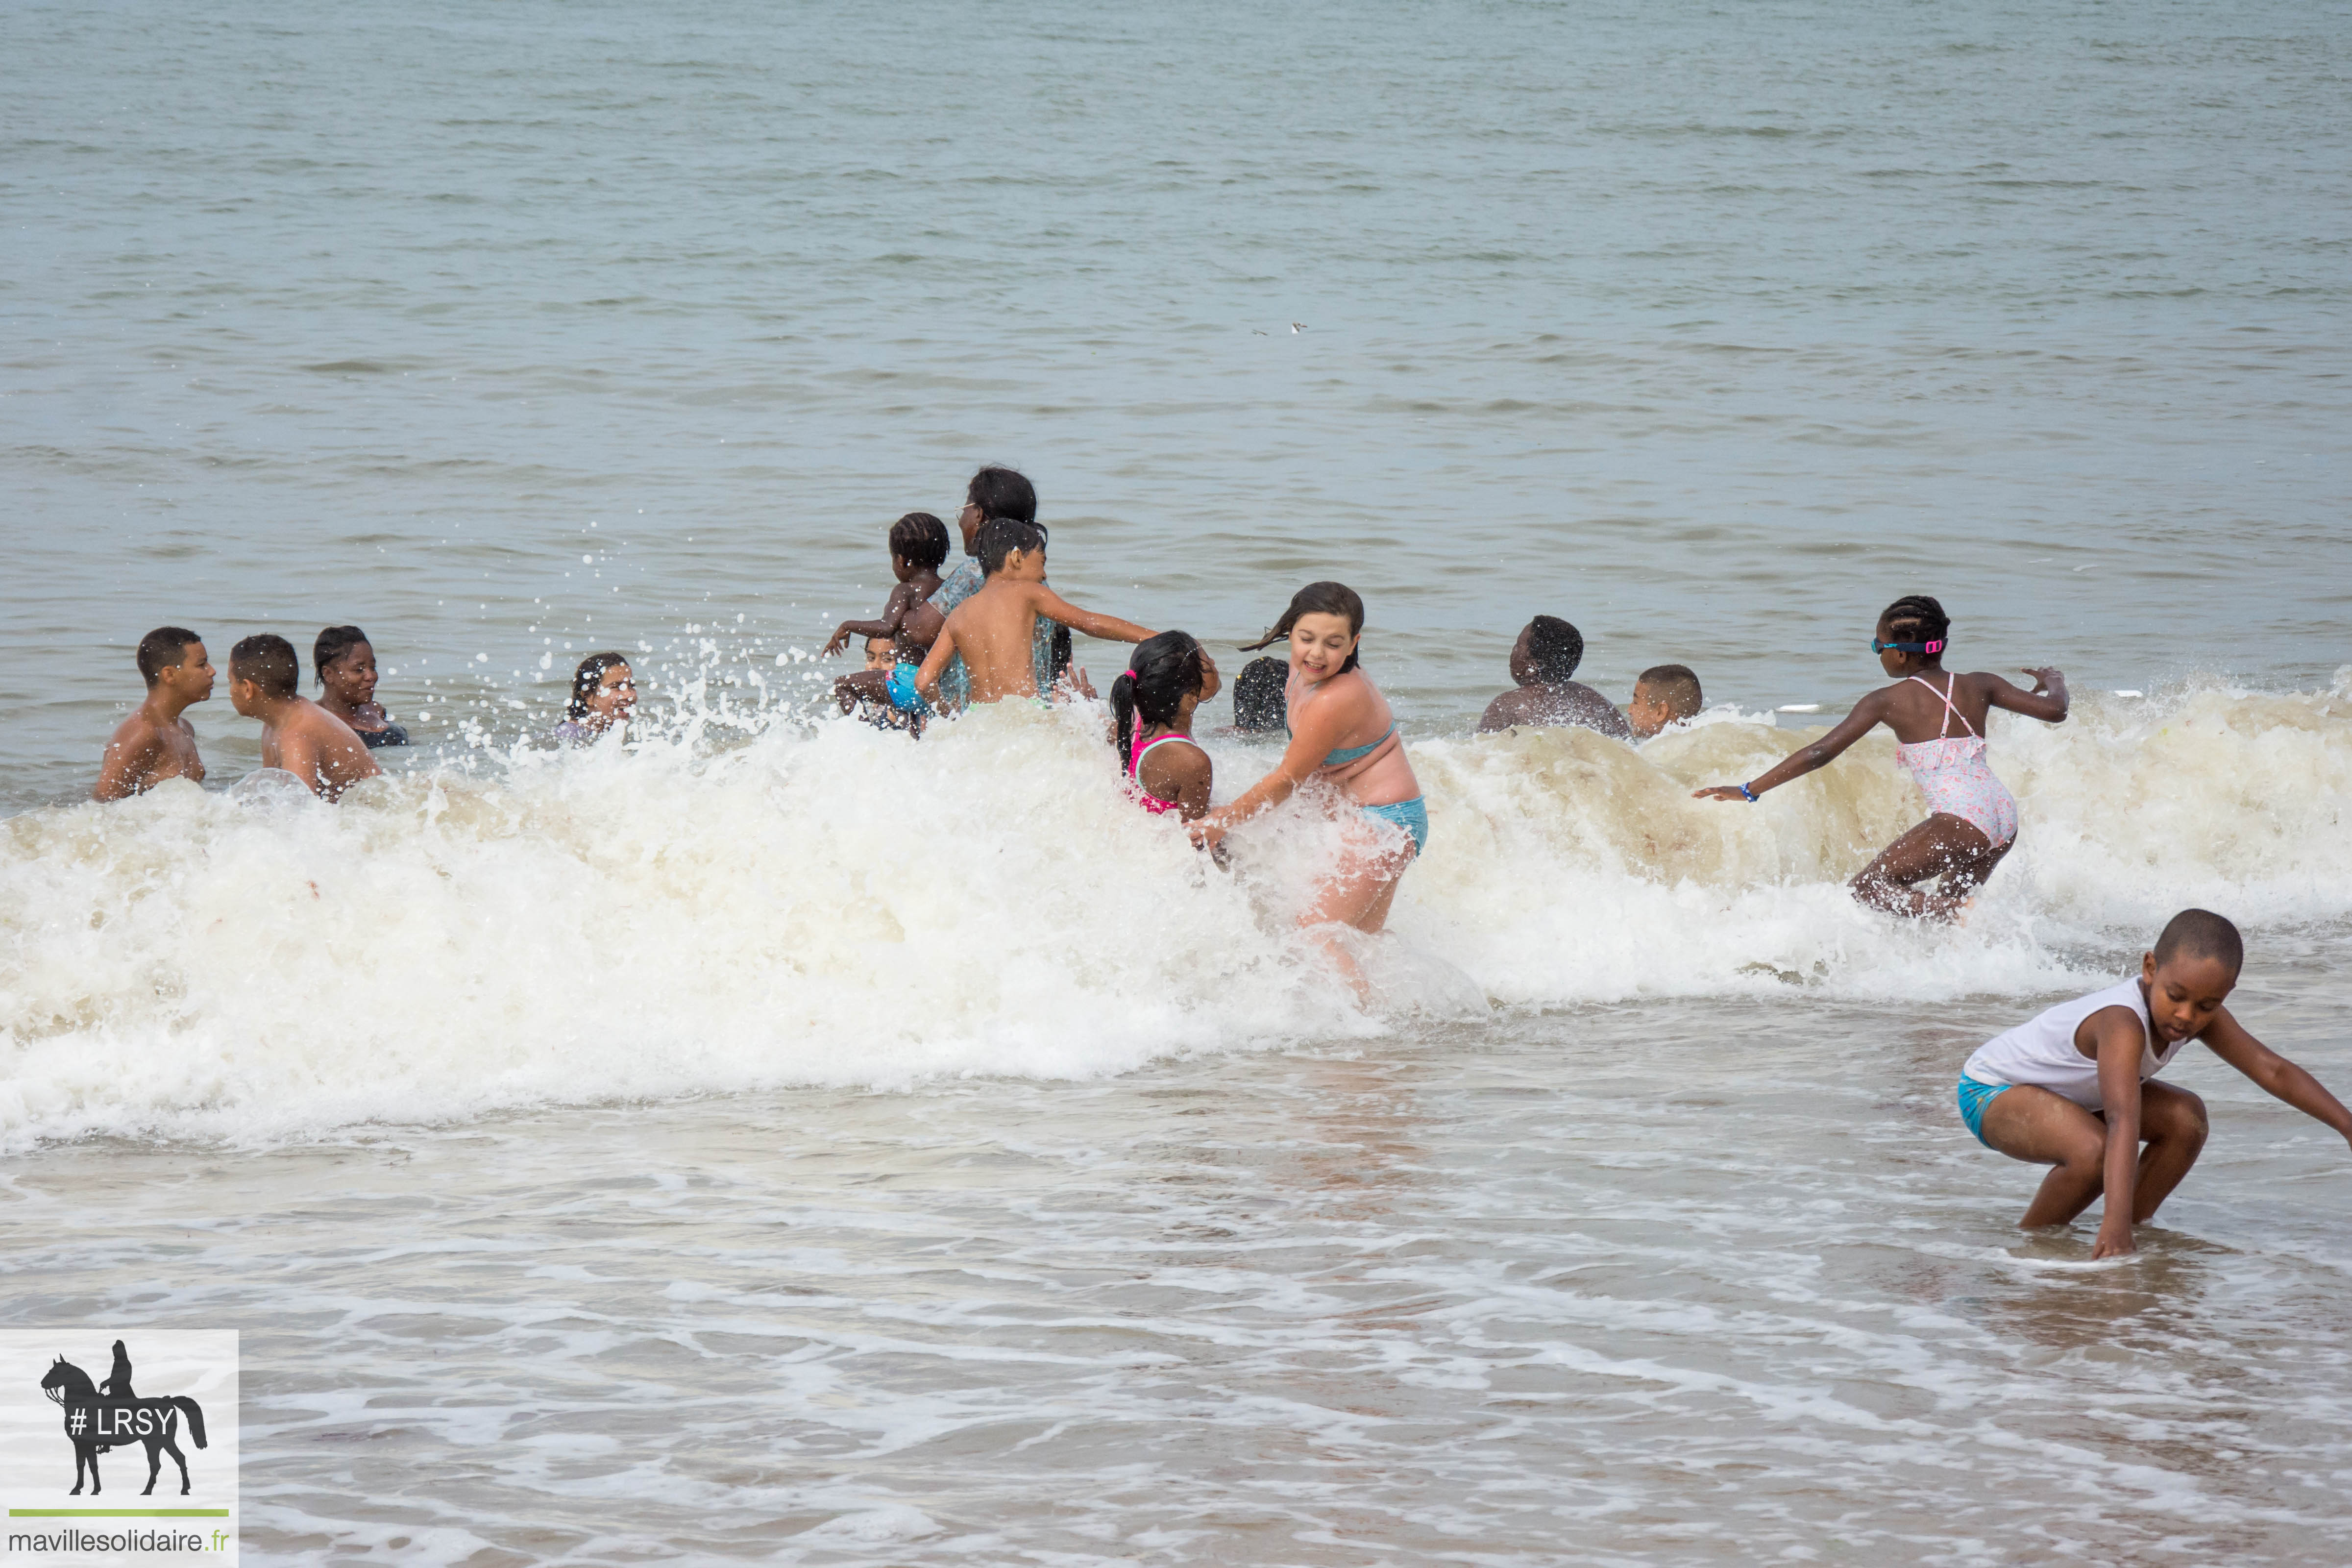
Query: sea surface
(764, 1139)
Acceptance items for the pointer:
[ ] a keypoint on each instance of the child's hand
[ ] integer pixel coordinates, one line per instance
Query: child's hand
(1208, 833)
(2043, 677)
(1719, 792)
(2114, 1239)
(1074, 682)
(839, 641)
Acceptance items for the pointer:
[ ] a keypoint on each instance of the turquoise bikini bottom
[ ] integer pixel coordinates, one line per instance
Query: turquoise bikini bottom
(1413, 815)
(1974, 1097)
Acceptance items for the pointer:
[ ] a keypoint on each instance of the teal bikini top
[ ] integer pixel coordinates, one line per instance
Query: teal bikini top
(1345, 754)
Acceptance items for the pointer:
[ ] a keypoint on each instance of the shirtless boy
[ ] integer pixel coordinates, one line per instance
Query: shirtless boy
(993, 629)
(156, 742)
(297, 734)
(2076, 1087)
(1542, 660)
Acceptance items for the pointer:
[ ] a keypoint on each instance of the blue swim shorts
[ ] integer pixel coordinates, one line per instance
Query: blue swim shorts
(1413, 815)
(903, 694)
(1974, 1098)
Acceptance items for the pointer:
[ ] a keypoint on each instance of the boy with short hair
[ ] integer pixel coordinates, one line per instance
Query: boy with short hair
(157, 742)
(1665, 694)
(993, 631)
(919, 543)
(2077, 1087)
(1543, 660)
(297, 734)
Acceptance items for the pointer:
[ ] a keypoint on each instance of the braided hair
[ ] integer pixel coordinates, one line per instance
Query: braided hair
(1915, 617)
(1165, 671)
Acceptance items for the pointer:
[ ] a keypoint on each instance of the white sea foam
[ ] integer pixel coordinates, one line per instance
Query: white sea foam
(836, 905)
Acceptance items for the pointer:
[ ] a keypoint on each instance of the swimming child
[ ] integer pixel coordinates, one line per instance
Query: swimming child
(995, 631)
(157, 742)
(1166, 680)
(919, 543)
(604, 694)
(297, 734)
(1663, 694)
(1938, 720)
(1543, 660)
(1257, 696)
(1342, 736)
(2076, 1087)
(344, 663)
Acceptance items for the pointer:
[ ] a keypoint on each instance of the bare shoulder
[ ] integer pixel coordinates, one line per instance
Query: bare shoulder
(2113, 1021)
(1509, 708)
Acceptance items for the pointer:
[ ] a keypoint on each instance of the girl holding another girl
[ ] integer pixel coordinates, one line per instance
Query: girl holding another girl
(1344, 739)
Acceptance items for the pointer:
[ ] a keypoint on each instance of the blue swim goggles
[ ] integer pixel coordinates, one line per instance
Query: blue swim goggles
(1935, 646)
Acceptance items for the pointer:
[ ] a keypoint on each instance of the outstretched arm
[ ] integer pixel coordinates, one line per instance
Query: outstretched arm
(2274, 1075)
(1110, 628)
(894, 614)
(935, 665)
(130, 753)
(1867, 713)
(2047, 702)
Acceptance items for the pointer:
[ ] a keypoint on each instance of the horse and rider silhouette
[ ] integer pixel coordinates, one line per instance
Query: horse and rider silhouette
(96, 1421)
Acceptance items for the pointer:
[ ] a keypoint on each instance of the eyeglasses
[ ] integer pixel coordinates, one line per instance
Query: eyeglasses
(1935, 646)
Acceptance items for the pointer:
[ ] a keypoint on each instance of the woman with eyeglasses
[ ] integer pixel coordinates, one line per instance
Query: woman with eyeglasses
(1938, 720)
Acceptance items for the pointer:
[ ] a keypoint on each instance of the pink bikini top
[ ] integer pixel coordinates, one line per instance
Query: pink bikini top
(1950, 713)
(1151, 803)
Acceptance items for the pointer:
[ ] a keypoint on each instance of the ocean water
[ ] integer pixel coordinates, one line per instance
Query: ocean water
(771, 1139)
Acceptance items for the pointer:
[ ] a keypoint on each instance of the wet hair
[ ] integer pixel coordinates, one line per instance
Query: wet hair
(165, 648)
(1318, 599)
(1164, 670)
(1000, 537)
(1676, 685)
(267, 660)
(919, 538)
(1555, 649)
(2200, 934)
(1000, 492)
(1915, 617)
(332, 644)
(587, 679)
(1258, 705)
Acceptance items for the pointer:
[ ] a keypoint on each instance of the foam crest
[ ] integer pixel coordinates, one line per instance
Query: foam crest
(830, 904)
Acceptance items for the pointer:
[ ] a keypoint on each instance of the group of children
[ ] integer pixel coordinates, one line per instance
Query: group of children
(2074, 1088)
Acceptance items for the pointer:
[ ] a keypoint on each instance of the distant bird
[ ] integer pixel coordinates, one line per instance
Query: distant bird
(1298, 326)
(1256, 332)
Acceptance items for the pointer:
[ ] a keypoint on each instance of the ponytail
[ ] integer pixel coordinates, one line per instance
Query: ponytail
(1165, 671)
(1318, 599)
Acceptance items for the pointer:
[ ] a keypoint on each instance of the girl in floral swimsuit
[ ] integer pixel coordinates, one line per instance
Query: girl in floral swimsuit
(1938, 720)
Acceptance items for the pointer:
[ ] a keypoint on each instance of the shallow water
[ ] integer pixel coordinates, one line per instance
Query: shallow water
(773, 1140)
(1499, 1295)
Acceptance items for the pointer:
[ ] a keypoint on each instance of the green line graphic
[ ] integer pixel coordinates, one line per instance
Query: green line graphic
(118, 1513)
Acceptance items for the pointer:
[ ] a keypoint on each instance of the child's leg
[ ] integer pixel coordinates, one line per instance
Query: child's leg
(2046, 1129)
(2173, 1122)
(1359, 894)
(1943, 846)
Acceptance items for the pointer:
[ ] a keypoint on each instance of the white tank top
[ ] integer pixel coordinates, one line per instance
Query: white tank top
(2042, 1052)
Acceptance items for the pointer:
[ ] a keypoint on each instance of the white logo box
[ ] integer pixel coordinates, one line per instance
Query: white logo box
(180, 1378)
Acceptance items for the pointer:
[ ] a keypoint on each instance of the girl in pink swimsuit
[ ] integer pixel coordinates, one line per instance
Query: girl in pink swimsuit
(1151, 707)
(1938, 719)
